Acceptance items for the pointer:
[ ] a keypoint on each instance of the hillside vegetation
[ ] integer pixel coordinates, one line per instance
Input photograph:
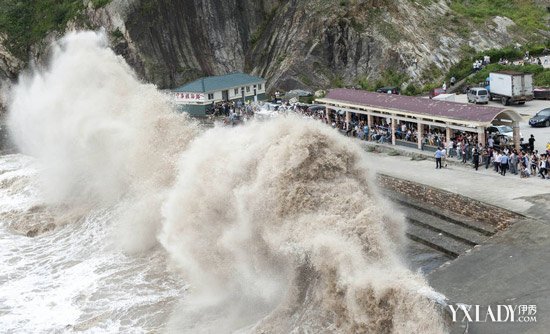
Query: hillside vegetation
(27, 22)
(525, 13)
(541, 76)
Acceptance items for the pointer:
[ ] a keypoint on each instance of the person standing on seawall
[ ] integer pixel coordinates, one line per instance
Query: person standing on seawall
(503, 164)
(476, 159)
(465, 148)
(438, 154)
(443, 157)
(498, 158)
(513, 164)
(532, 144)
(489, 157)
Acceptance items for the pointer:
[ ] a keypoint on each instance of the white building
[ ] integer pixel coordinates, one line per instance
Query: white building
(197, 96)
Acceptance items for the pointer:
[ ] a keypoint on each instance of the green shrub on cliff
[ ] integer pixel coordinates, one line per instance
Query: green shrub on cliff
(464, 67)
(412, 90)
(541, 76)
(27, 22)
(100, 3)
(526, 15)
(542, 79)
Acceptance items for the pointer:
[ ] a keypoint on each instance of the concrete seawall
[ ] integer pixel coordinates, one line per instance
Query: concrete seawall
(434, 199)
(509, 267)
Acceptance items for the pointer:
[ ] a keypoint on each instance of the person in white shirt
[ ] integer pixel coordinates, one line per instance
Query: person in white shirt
(450, 148)
(543, 166)
(497, 162)
(491, 142)
(524, 171)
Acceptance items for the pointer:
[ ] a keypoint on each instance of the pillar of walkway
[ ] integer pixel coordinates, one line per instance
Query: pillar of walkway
(515, 126)
(393, 128)
(348, 117)
(481, 136)
(369, 121)
(420, 134)
(328, 115)
(447, 135)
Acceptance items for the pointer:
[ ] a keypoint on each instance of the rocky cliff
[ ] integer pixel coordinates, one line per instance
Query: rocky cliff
(294, 43)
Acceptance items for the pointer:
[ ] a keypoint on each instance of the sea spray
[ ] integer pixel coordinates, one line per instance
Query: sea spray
(71, 279)
(277, 230)
(274, 225)
(100, 134)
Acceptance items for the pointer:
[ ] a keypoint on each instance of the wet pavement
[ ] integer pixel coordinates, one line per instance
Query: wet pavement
(513, 266)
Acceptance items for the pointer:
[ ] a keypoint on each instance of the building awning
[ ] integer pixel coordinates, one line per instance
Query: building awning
(451, 112)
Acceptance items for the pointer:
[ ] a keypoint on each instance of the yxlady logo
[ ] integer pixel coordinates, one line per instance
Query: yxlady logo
(498, 313)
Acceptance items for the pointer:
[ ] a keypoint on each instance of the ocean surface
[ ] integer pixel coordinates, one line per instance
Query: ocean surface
(121, 216)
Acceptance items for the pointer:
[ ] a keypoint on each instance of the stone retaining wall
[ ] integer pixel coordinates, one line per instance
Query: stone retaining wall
(437, 198)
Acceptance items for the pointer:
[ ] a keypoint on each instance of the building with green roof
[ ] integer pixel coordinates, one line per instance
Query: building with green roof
(199, 95)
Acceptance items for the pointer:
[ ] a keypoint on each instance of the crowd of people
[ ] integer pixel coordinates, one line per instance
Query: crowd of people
(501, 160)
(230, 108)
(527, 59)
(464, 147)
(481, 63)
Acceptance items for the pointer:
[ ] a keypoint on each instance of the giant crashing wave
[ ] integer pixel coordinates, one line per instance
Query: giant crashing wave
(275, 225)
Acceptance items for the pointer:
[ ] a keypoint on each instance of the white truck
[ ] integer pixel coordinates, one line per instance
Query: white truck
(510, 87)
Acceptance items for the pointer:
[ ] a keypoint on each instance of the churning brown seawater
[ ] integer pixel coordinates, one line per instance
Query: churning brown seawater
(140, 221)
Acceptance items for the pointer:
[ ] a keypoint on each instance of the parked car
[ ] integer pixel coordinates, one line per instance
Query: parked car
(388, 90)
(505, 130)
(542, 118)
(478, 95)
(436, 91)
(542, 93)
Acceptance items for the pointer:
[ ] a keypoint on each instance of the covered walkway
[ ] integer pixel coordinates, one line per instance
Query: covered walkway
(420, 113)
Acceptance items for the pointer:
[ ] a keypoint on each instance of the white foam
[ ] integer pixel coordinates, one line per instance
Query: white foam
(65, 278)
(274, 225)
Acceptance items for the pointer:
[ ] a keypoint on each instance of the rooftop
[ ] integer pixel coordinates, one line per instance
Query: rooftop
(219, 82)
(510, 72)
(421, 106)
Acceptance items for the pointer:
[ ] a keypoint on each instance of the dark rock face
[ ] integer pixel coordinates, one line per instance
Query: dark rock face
(294, 43)
(305, 44)
(180, 40)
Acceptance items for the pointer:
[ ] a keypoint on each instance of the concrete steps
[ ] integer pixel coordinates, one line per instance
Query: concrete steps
(448, 228)
(441, 230)
(466, 222)
(437, 241)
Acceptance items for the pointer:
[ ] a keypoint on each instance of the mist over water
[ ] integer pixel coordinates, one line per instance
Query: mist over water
(100, 134)
(274, 227)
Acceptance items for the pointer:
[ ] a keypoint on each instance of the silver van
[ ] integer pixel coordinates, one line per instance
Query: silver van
(478, 95)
